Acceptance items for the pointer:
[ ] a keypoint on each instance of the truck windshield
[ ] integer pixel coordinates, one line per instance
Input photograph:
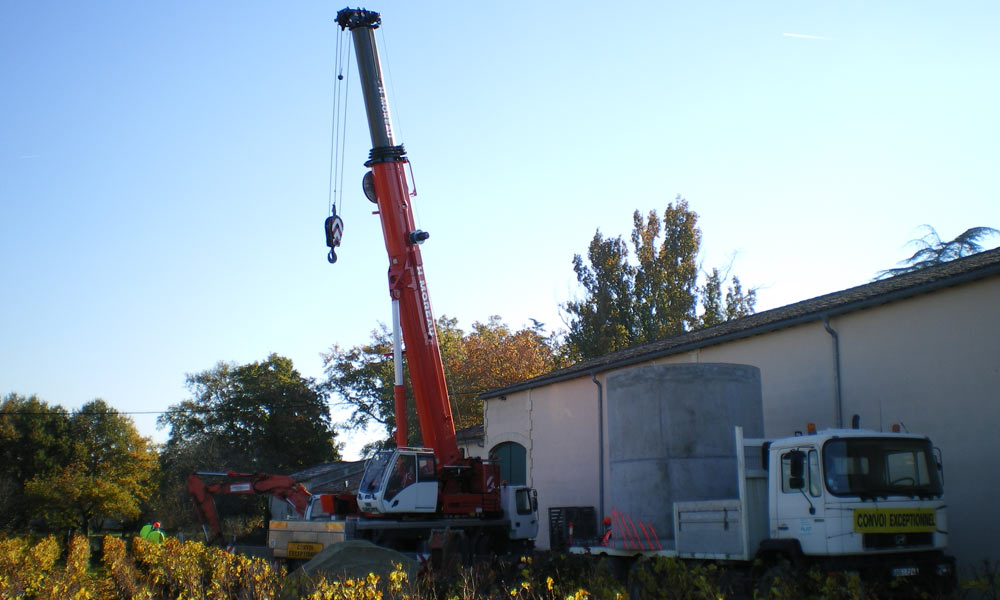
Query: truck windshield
(873, 467)
(373, 471)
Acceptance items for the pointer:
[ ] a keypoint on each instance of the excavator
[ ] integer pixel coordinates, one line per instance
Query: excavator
(312, 525)
(203, 494)
(417, 489)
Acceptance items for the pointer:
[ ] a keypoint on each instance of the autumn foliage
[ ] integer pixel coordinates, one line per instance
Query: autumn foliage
(43, 569)
(491, 355)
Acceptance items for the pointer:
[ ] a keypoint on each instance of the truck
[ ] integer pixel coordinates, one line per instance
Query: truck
(845, 500)
(414, 498)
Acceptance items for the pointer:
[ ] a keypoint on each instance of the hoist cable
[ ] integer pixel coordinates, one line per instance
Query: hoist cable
(343, 128)
(334, 119)
(338, 128)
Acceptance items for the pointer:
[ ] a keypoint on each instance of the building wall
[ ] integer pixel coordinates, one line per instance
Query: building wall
(559, 428)
(931, 362)
(473, 448)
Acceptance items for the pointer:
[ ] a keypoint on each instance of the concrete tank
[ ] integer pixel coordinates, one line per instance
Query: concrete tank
(670, 436)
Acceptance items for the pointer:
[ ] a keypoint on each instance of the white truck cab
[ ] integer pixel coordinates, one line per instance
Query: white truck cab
(866, 496)
(854, 491)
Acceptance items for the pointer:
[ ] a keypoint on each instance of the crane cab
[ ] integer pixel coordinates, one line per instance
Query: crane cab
(403, 480)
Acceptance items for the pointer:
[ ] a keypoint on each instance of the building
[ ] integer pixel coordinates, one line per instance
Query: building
(920, 349)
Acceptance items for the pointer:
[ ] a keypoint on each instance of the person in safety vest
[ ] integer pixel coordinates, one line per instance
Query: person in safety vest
(152, 532)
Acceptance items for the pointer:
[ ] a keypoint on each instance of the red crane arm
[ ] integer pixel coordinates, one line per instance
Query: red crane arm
(407, 283)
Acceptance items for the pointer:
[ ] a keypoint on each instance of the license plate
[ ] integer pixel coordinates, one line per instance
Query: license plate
(904, 571)
(303, 549)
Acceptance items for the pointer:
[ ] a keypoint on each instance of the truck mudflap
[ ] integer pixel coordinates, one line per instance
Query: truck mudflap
(930, 571)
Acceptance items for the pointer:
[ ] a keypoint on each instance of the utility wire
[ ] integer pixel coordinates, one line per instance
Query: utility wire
(205, 410)
(67, 413)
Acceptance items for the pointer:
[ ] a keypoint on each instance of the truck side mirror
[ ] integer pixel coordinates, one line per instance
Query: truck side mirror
(796, 464)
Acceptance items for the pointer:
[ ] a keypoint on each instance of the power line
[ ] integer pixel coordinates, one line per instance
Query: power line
(89, 413)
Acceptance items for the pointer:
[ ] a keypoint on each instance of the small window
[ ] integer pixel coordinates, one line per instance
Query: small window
(786, 474)
(810, 474)
(524, 499)
(403, 475)
(426, 466)
(813, 478)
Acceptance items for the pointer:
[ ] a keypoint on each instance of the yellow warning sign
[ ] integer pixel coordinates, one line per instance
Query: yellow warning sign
(303, 549)
(895, 520)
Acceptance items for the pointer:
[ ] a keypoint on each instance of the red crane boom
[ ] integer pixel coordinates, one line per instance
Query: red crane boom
(407, 283)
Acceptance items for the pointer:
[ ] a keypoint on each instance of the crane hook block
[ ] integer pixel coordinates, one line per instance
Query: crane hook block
(334, 232)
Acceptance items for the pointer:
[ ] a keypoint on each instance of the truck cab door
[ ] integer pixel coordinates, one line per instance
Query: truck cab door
(520, 506)
(798, 492)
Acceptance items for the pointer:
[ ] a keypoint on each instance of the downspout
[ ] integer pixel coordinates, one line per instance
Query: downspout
(838, 406)
(600, 442)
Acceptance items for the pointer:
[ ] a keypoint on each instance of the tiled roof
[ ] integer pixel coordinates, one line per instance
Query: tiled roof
(972, 268)
(470, 434)
(332, 477)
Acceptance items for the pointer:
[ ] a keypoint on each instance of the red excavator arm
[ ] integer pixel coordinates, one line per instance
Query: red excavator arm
(203, 494)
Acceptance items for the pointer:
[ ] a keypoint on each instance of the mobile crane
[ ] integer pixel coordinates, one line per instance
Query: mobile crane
(414, 491)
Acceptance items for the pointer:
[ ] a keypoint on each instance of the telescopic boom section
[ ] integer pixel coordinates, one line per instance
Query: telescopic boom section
(407, 283)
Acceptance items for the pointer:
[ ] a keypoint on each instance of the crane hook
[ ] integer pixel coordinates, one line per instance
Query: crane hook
(334, 232)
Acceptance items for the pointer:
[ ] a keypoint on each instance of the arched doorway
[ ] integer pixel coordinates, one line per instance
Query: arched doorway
(512, 458)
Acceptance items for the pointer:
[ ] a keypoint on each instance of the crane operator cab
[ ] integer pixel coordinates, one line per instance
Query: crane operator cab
(403, 480)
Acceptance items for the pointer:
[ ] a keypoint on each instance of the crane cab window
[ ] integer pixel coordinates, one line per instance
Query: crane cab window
(403, 475)
(425, 466)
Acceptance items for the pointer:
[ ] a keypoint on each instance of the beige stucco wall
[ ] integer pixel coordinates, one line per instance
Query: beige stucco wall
(931, 362)
(472, 449)
(558, 427)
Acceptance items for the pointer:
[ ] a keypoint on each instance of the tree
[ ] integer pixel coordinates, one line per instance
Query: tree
(490, 356)
(111, 471)
(604, 320)
(667, 275)
(932, 251)
(34, 441)
(493, 356)
(625, 304)
(262, 417)
(737, 303)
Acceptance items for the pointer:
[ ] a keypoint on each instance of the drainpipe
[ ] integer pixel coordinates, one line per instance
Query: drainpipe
(839, 406)
(600, 443)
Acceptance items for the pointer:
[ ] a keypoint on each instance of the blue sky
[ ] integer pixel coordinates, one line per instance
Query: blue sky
(164, 166)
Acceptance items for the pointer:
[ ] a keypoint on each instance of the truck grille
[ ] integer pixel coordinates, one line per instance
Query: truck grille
(881, 541)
